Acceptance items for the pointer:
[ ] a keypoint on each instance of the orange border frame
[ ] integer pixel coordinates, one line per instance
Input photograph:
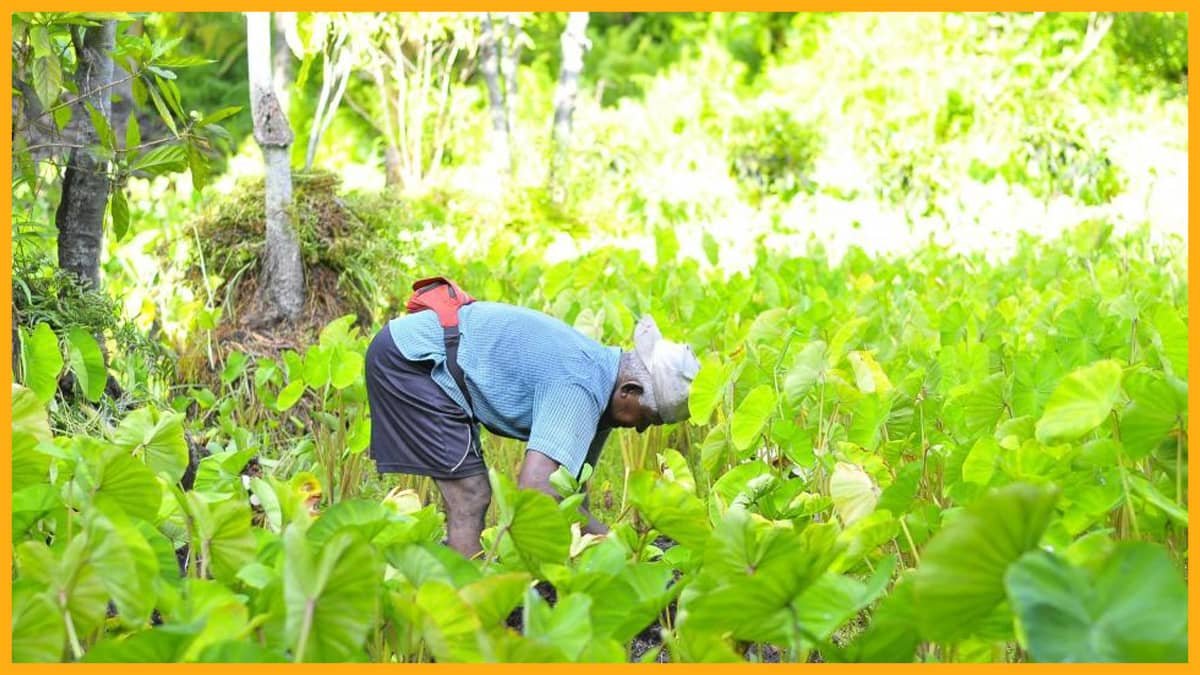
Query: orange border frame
(544, 5)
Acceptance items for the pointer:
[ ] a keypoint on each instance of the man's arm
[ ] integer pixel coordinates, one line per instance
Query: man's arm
(535, 474)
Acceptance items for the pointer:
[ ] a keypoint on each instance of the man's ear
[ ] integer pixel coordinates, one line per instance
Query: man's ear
(631, 387)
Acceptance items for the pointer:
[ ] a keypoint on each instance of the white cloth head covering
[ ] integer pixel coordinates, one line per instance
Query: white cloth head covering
(672, 368)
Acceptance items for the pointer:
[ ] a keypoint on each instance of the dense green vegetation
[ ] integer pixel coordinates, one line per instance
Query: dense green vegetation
(941, 309)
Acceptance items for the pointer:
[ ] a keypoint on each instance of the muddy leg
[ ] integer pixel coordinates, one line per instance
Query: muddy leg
(466, 504)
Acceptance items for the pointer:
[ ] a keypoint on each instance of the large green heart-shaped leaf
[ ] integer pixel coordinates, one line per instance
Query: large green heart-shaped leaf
(494, 597)
(753, 571)
(751, 415)
(109, 474)
(225, 541)
(1172, 340)
(163, 644)
(1133, 610)
(87, 362)
(892, 634)
(222, 614)
(28, 414)
(671, 509)
(124, 561)
(853, 492)
(157, 438)
(43, 361)
(1080, 402)
(980, 463)
(366, 517)
(449, 626)
(960, 581)
(809, 369)
(1151, 416)
(868, 374)
(984, 405)
(38, 629)
(707, 389)
(331, 593)
(532, 521)
(346, 368)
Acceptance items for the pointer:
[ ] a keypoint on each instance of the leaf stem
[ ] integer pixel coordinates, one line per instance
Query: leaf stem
(305, 629)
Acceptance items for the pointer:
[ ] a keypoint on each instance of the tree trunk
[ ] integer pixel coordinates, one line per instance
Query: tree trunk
(281, 58)
(510, 59)
(281, 290)
(574, 43)
(86, 184)
(393, 163)
(501, 156)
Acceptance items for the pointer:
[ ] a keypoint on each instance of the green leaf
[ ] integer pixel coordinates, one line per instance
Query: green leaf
(1151, 416)
(87, 362)
(43, 361)
(751, 415)
(898, 497)
(157, 438)
(29, 414)
(868, 375)
(984, 406)
(960, 581)
(62, 117)
(707, 389)
(219, 115)
(810, 368)
(980, 464)
(222, 614)
(161, 107)
(162, 644)
(493, 597)
(1080, 402)
(331, 594)
(448, 625)
(712, 249)
(160, 160)
(126, 483)
(347, 369)
(126, 564)
(224, 536)
(198, 165)
(891, 636)
(853, 492)
(38, 629)
(133, 134)
(1172, 342)
(289, 395)
(1151, 494)
(533, 522)
(119, 209)
(670, 508)
(676, 470)
(1069, 616)
(47, 80)
(102, 126)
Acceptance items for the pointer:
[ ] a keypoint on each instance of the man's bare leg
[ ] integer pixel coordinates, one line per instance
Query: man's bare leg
(467, 501)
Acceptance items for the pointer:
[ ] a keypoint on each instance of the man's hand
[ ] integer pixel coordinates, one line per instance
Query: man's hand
(535, 473)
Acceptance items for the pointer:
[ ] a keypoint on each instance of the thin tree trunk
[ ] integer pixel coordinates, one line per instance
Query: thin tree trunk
(281, 293)
(501, 155)
(393, 163)
(510, 59)
(281, 58)
(574, 43)
(86, 184)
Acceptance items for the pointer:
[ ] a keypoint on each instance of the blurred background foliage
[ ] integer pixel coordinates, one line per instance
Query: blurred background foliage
(696, 136)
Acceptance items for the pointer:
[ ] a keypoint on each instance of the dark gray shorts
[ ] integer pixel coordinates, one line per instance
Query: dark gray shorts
(415, 426)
